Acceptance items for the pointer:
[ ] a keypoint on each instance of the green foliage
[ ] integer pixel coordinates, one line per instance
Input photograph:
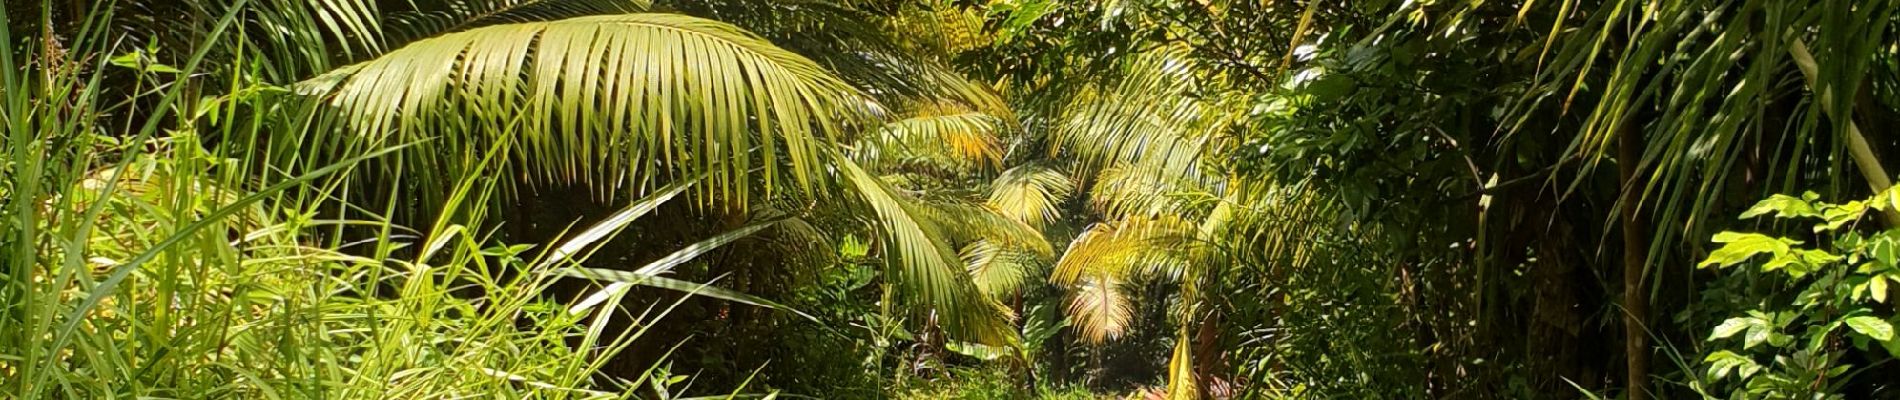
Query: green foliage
(247, 307)
(1828, 310)
(1258, 199)
(991, 384)
(175, 256)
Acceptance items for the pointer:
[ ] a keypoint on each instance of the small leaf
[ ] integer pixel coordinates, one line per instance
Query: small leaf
(1887, 199)
(128, 60)
(1747, 370)
(1868, 268)
(1884, 249)
(976, 350)
(1740, 247)
(1874, 328)
(1721, 362)
(1784, 206)
(1729, 328)
(162, 68)
(1329, 87)
(1835, 216)
(1756, 335)
(1878, 288)
(1779, 339)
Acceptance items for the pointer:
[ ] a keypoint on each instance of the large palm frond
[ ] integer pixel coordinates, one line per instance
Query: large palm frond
(435, 17)
(1125, 248)
(1031, 193)
(617, 102)
(959, 142)
(303, 38)
(968, 221)
(1108, 254)
(856, 45)
(1099, 308)
(1702, 82)
(1121, 192)
(999, 270)
(926, 266)
(1150, 119)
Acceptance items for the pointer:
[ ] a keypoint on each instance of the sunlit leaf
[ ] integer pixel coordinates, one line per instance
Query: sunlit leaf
(1874, 328)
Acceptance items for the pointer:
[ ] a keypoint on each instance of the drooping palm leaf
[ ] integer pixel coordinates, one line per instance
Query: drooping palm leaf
(965, 221)
(1150, 120)
(1126, 248)
(1121, 192)
(926, 266)
(999, 271)
(617, 102)
(1110, 253)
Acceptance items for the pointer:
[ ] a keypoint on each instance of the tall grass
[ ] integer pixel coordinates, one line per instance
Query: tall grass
(173, 257)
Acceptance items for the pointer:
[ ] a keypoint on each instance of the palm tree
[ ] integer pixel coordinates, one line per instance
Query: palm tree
(622, 102)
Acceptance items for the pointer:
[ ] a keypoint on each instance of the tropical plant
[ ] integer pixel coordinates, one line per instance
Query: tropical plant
(151, 259)
(1824, 308)
(1371, 199)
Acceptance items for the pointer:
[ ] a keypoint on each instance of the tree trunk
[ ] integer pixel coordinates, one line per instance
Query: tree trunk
(1635, 255)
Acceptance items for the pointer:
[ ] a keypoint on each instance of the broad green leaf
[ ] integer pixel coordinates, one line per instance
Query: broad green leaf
(1887, 199)
(1873, 327)
(1884, 249)
(1757, 334)
(1835, 216)
(1779, 339)
(1721, 362)
(1877, 287)
(1330, 86)
(1783, 206)
(1739, 247)
(1729, 327)
(976, 350)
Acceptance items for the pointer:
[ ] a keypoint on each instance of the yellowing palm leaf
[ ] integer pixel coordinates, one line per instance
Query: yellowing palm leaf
(1031, 193)
(1100, 310)
(961, 142)
(998, 271)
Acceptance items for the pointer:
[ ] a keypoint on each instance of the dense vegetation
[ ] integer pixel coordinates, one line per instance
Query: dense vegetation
(1201, 199)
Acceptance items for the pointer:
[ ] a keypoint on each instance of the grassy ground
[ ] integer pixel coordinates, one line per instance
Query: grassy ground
(989, 384)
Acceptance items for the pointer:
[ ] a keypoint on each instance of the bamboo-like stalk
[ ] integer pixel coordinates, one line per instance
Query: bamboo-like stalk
(1870, 168)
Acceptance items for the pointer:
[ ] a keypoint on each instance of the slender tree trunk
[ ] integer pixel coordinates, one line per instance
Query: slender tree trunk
(1207, 360)
(1635, 255)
